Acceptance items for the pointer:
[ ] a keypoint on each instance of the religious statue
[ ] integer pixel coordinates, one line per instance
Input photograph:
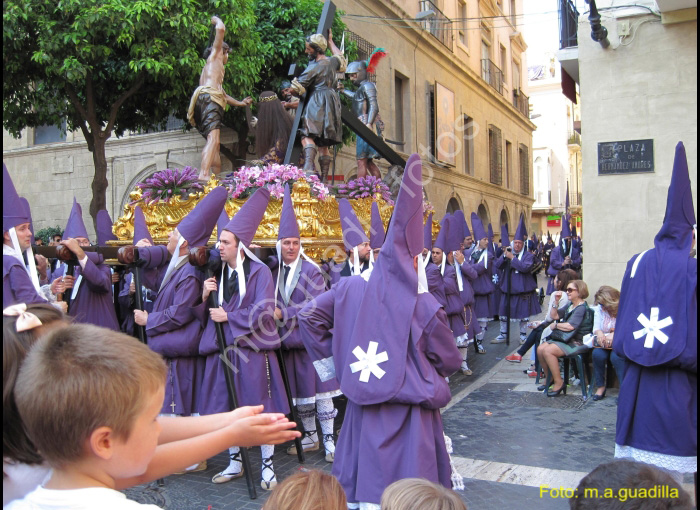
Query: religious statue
(366, 107)
(321, 125)
(209, 101)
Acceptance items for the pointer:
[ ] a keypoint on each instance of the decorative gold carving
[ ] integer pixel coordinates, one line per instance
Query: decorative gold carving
(319, 221)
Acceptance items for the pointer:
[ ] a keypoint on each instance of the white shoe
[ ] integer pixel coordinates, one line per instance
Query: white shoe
(465, 368)
(500, 339)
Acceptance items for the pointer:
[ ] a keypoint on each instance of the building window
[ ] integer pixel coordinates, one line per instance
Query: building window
(431, 121)
(504, 61)
(50, 134)
(364, 50)
(513, 13)
(516, 76)
(495, 161)
(523, 153)
(509, 163)
(401, 111)
(463, 30)
(468, 129)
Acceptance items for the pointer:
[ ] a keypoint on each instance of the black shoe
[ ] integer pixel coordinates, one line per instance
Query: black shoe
(543, 387)
(555, 393)
(597, 397)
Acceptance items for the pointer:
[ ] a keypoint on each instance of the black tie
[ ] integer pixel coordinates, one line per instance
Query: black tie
(230, 285)
(286, 274)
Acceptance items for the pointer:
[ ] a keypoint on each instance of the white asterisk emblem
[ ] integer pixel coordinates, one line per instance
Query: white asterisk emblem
(652, 328)
(494, 279)
(368, 362)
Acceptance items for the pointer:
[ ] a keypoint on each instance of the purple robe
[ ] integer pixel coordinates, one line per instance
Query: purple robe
(252, 332)
(173, 330)
(403, 436)
(523, 300)
(483, 287)
(307, 283)
(127, 302)
(436, 285)
(556, 264)
(94, 302)
(455, 305)
(17, 286)
(469, 274)
(658, 403)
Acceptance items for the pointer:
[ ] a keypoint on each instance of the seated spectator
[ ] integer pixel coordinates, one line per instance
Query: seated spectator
(626, 484)
(89, 400)
(567, 320)
(607, 300)
(561, 280)
(308, 490)
(22, 466)
(418, 493)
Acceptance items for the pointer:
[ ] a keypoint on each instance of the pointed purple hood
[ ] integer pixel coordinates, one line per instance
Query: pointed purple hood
(75, 226)
(376, 233)
(288, 219)
(197, 226)
(490, 232)
(28, 213)
(454, 233)
(104, 228)
(221, 222)
(442, 241)
(353, 233)
(521, 231)
(428, 233)
(140, 227)
(390, 296)
(462, 222)
(659, 288)
(13, 212)
(247, 220)
(565, 228)
(478, 228)
(505, 240)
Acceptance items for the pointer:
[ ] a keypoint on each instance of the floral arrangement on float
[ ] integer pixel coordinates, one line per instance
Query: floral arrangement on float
(166, 184)
(364, 187)
(243, 182)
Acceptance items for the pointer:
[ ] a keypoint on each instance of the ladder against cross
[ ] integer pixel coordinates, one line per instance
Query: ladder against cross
(348, 118)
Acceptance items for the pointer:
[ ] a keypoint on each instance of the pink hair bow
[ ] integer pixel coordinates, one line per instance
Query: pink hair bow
(25, 320)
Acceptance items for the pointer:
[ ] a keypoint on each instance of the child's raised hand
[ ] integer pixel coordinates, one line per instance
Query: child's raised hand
(264, 428)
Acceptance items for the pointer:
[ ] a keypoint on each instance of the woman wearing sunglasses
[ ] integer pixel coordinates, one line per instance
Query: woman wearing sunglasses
(568, 319)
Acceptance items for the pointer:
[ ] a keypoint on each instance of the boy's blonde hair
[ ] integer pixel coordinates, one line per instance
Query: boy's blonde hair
(412, 493)
(80, 378)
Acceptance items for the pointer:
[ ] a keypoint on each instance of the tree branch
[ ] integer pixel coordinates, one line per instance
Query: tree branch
(76, 102)
(114, 110)
(88, 136)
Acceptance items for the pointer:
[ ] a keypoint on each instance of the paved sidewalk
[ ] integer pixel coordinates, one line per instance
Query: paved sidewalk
(508, 439)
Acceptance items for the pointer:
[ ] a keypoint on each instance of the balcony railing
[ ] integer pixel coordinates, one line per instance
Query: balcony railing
(439, 25)
(568, 24)
(575, 199)
(574, 138)
(521, 102)
(492, 75)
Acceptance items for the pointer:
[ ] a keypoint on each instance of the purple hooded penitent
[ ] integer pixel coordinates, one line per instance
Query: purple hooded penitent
(288, 218)
(390, 297)
(104, 228)
(657, 333)
(428, 233)
(140, 227)
(353, 233)
(197, 226)
(221, 222)
(13, 213)
(376, 233)
(462, 222)
(656, 285)
(75, 226)
(441, 241)
(505, 240)
(246, 221)
(521, 231)
(478, 228)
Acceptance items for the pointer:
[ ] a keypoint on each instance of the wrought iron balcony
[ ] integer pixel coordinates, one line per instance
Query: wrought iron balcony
(521, 102)
(439, 25)
(568, 24)
(492, 75)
